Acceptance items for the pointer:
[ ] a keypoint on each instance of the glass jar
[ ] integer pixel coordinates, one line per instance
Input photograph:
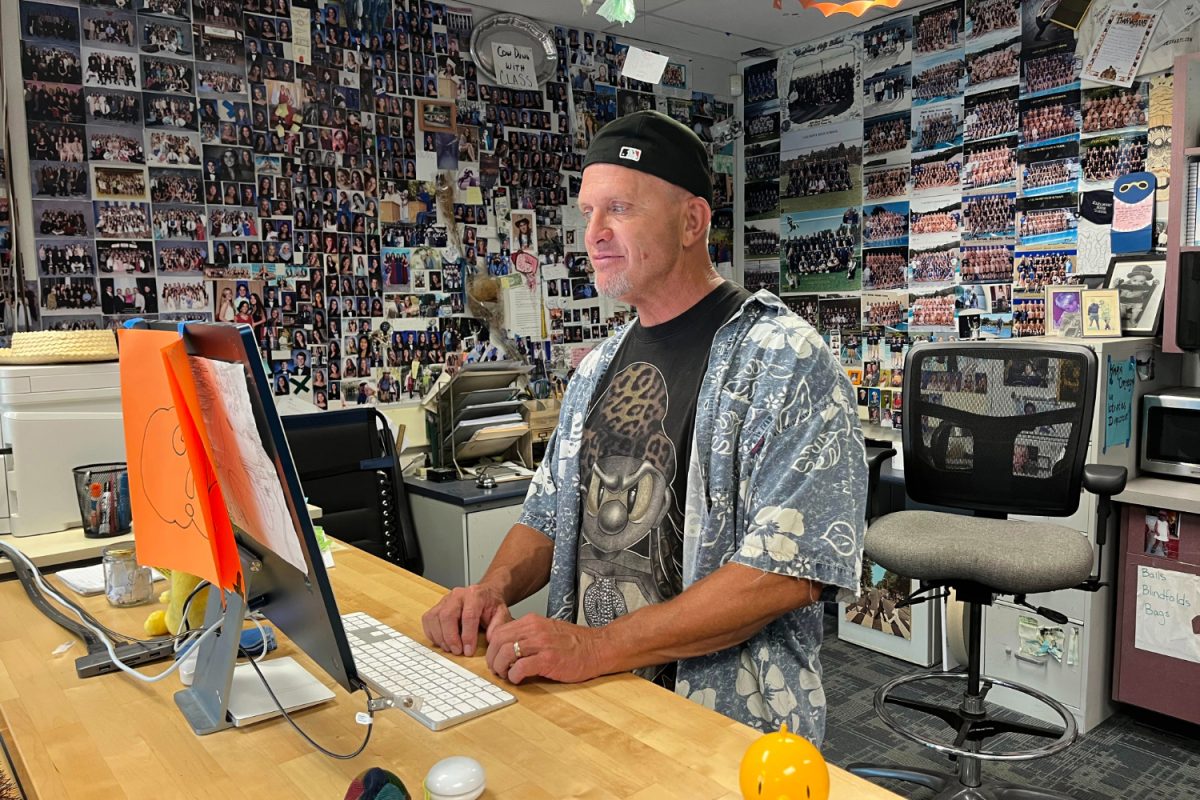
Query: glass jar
(125, 582)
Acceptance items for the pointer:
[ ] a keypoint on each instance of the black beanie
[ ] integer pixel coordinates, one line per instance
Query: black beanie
(651, 142)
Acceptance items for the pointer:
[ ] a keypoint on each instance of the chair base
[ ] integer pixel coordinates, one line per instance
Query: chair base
(949, 788)
(972, 722)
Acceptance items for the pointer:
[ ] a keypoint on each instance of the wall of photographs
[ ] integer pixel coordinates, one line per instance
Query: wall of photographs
(332, 173)
(7, 286)
(923, 176)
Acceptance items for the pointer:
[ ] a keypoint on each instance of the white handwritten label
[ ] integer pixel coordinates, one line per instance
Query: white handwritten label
(514, 66)
(1167, 613)
(642, 65)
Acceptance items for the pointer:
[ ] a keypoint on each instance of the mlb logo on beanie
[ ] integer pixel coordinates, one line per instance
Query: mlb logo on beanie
(652, 142)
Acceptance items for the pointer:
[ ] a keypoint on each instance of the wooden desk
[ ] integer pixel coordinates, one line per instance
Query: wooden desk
(57, 549)
(614, 738)
(70, 546)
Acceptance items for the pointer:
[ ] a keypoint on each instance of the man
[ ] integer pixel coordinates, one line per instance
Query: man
(705, 484)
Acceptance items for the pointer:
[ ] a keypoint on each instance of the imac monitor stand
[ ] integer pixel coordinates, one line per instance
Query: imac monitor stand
(300, 604)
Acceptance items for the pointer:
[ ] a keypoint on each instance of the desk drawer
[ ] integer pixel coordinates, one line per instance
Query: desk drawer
(1072, 602)
(1002, 659)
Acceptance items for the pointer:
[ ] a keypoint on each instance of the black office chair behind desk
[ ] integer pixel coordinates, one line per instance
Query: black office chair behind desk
(348, 466)
(994, 430)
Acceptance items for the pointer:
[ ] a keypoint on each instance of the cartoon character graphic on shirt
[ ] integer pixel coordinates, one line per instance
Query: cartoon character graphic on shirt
(629, 537)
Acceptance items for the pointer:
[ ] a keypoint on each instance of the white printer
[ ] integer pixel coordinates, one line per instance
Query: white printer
(54, 418)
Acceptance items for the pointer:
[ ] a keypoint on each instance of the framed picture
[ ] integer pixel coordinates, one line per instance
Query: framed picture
(1102, 312)
(877, 621)
(1139, 281)
(437, 116)
(1064, 317)
(675, 76)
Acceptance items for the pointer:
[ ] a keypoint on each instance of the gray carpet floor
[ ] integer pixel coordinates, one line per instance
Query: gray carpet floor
(1132, 755)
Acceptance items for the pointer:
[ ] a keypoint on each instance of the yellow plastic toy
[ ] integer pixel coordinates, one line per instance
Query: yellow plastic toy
(170, 620)
(783, 766)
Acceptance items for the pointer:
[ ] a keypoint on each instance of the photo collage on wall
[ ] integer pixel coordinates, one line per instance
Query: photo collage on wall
(331, 173)
(921, 178)
(9, 291)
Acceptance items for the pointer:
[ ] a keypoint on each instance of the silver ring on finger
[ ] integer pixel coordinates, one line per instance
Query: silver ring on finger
(516, 649)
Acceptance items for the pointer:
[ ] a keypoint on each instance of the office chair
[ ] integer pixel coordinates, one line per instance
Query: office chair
(348, 466)
(994, 430)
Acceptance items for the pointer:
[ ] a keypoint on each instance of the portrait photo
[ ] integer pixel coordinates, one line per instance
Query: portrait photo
(1139, 282)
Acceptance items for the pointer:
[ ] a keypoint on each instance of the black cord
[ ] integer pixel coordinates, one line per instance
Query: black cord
(187, 603)
(28, 581)
(28, 578)
(340, 756)
(242, 652)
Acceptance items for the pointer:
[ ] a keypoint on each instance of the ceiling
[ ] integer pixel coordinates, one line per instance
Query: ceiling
(721, 28)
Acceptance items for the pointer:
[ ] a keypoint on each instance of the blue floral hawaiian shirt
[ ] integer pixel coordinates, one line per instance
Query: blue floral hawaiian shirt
(777, 481)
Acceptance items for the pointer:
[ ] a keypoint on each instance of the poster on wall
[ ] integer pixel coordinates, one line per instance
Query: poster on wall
(1167, 615)
(297, 149)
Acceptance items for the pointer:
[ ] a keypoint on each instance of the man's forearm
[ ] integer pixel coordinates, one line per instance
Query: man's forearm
(522, 564)
(722, 610)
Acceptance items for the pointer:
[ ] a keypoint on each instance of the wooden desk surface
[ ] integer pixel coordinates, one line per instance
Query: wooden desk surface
(69, 546)
(54, 549)
(614, 738)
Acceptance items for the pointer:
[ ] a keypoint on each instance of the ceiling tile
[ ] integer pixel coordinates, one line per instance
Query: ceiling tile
(701, 26)
(758, 20)
(646, 27)
(654, 29)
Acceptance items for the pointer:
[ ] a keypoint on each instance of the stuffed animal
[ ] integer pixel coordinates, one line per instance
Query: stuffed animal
(170, 620)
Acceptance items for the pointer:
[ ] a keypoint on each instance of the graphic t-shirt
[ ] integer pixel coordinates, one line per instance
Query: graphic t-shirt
(636, 447)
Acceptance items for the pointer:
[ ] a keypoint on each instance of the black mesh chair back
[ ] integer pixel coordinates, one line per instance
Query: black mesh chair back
(348, 466)
(998, 429)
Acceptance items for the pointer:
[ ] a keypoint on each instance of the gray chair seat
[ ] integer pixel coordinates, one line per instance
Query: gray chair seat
(1007, 555)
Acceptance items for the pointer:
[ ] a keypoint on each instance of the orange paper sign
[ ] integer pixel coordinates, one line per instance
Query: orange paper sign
(172, 514)
(200, 455)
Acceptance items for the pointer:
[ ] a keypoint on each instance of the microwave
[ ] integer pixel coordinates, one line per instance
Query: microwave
(1170, 433)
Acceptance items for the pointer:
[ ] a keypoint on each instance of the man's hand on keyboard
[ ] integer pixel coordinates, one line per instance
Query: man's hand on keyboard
(455, 622)
(547, 648)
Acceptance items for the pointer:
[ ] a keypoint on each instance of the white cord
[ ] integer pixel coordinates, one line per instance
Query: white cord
(112, 653)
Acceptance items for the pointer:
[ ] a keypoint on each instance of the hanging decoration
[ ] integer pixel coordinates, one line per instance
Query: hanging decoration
(855, 7)
(621, 11)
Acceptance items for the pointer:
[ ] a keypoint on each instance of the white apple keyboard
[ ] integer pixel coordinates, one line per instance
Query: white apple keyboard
(443, 694)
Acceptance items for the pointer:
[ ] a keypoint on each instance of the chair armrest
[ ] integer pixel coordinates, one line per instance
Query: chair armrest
(876, 458)
(1104, 480)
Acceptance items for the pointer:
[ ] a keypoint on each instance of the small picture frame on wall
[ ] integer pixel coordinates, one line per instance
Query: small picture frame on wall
(1101, 312)
(437, 116)
(1064, 311)
(1139, 282)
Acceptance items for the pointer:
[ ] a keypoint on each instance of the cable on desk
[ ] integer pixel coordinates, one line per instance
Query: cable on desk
(17, 557)
(340, 756)
(25, 574)
(184, 624)
(254, 659)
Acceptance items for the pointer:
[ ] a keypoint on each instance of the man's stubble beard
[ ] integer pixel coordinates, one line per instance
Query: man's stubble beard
(614, 286)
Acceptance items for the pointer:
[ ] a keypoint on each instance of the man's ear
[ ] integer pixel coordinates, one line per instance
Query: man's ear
(697, 218)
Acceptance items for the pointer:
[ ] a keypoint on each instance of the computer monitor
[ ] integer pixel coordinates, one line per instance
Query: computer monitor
(300, 604)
